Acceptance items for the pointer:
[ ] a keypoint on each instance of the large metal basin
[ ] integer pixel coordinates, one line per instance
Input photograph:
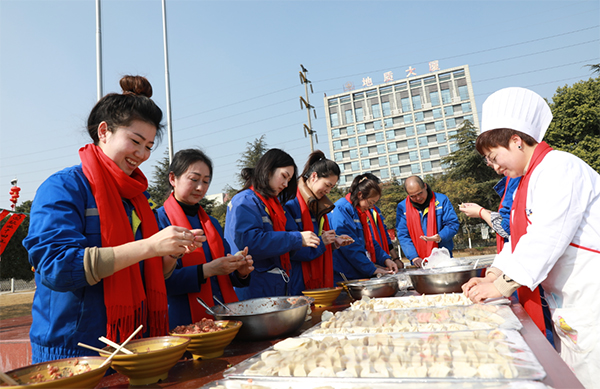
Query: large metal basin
(443, 280)
(376, 287)
(266, 317)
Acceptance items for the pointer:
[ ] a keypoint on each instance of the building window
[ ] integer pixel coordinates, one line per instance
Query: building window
(463, 91)
(390, 134)
(410, 131)
(333, 118)
(376, 110)
(377, 125)
(449, 110)
(443, 151)
(350, 130)
(352, 142)
(416, 102)
(466, 107)
(439, 125)
(405, 104)
(425, 154)
(413, 155)
(382, 161)
(360, 128)
(359, 114)
(423, 141)
(364, 152)
(469, 118)
(362, 140)
(421, 129)
(412, 143)
(342, 180)
(338, 156)
(384, 173)
(426, 166)
(396, 171)
(353, 154)
(441, 138)
(335, 133)
(393, 159)
(434, 97)
(415, 168)
(389, 122)
(385, 105)
(366, 164)
(437, 113)
(337, 144)
(453, 147)
(419, 117)
(446, 98)
(391, 147)
(450, 123)
(380, 149)
(408, 119)
(349, 117)
(379, 136)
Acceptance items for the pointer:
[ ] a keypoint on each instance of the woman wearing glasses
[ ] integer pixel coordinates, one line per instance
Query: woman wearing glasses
(364, 257)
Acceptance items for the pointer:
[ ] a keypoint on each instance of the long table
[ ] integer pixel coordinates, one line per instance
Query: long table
(191, 373)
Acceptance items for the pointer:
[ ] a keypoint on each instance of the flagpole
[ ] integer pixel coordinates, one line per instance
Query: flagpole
(168, 88)
(98, 51)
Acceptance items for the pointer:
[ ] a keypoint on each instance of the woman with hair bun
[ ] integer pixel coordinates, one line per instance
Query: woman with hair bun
(312, 268)
(256, 219)
(100, 260)
(207, 272)
(364, 257)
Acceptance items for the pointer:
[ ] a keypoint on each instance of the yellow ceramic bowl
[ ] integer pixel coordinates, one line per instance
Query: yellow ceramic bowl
(212, 344)
(76, 366)
(152, 358)
(324, 297)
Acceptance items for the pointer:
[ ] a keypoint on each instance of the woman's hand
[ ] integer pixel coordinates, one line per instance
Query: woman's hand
(245, 264)
(481, 291)
(391, 265)
(175, 241)
(310, 239)
(470, 209)
(343, 240)
(228, 264)
(328, 237)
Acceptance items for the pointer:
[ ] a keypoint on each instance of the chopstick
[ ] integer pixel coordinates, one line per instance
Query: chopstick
(122, 345)
(92, 348)
(115, 345)
(6, 378)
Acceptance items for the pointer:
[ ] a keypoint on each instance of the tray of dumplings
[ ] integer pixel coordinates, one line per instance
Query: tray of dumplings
(299, 383)
(475, 355)
(454, 318)
(406, 302)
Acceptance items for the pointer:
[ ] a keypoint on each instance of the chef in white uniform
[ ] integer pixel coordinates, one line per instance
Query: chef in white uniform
(555, 226)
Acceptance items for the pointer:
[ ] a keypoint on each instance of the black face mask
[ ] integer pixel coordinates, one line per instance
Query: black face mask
(422, 207)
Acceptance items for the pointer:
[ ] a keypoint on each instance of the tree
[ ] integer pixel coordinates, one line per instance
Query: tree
(160, 188)
(576, 121)
(15, 263)
(392, 192)
(250, 157)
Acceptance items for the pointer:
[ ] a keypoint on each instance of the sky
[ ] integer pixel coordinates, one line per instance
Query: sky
(234, 67)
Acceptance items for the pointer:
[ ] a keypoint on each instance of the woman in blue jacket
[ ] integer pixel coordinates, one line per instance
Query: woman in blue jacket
(312, 268)
(190, 174)
(256, 219)
(359, 259)
(93, 280)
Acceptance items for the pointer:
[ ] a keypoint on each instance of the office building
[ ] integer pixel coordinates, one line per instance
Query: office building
(399, 128)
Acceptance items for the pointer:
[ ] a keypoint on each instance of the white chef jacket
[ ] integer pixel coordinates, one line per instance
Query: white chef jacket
(561, 250)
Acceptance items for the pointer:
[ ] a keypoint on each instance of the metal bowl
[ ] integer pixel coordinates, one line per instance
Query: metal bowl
(266, 317)
(377, 287)
(443, 280)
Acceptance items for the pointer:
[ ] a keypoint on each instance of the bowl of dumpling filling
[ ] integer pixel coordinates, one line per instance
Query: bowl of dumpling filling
(81, 372)
(208, 338)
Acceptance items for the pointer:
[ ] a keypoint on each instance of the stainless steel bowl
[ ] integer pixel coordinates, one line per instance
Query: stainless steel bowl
(443, 280)
(266, 317)
(377, 287)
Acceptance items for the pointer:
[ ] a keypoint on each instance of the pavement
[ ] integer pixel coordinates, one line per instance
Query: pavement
(15, 349)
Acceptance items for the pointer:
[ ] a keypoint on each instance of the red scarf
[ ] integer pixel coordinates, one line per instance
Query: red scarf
(277, 214)
(369, 246)
(377, 222)
(317, 273)
(215, 244)
(415, 230)
(127, 303)
(519, 221)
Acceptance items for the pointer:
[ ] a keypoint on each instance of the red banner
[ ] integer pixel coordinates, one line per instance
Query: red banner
(9, 228)
(3, 213)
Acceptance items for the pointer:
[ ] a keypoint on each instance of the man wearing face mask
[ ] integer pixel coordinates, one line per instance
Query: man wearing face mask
(424, 220)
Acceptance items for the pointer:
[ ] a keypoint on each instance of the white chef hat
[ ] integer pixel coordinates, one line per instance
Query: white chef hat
(518, 109)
